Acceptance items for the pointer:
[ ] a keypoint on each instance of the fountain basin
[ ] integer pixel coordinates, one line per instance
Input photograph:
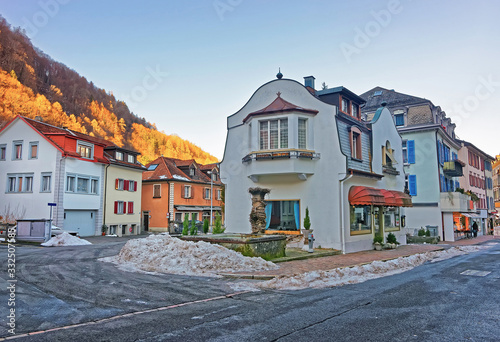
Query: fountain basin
(252, 245)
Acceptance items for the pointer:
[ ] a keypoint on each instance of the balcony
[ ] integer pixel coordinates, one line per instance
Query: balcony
(456, 202)
(453, 168)
(280, 162)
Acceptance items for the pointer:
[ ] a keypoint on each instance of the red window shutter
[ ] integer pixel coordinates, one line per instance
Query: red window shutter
(183, 191)
(130, 207)
(124, 207)
(125, 185)
(117, 182)
(116, 207)
(135, 186)
(192, 193)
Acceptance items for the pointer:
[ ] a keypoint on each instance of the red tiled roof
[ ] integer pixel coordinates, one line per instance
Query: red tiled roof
(168, 168)
(278, 106)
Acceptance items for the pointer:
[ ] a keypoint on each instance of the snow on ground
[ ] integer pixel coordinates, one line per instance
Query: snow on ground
(166, 254)
(65, 239)
(360, 273)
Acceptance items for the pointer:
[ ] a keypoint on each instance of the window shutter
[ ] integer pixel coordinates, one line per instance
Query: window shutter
(117, 183)
(124, 207)
(116, 207)
(125, 185)
(412, 184)
(183, 191)
(130, 207)
(457, 184)
(135, 186)
(411, 151)
(191, 195)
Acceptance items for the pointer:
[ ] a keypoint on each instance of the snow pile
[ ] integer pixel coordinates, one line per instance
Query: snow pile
(65, 239)
(165, 254)
(361, 273)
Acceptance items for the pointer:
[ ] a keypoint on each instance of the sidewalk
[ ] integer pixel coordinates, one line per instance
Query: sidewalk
(345, 260)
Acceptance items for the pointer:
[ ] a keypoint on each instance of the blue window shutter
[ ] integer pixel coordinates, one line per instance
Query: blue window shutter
(457, 184)
(440, 153)
(410, 144)
(412, 184)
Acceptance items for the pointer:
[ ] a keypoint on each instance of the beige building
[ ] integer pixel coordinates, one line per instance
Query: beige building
(123, 189)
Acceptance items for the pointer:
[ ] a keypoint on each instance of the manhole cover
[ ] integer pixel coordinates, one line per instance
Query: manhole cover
(475, 273)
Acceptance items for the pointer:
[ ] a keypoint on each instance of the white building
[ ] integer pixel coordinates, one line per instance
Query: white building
(311, 154)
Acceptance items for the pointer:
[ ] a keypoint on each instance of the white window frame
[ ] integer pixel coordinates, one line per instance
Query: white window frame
(119, 155)
(404, 150)
(219, 194)
(94, 186)
(80, 145)
(72, 183)
(187, 191)
(33, 143)
(207, 194)
(131, 185)
(16, 180)
(17, 154)
(354, 110)
(120, 208)
(121, 184)
(281, 144)
(300, 146)
(3, 151)
(345, 105)
(46, 182)
(131, 159)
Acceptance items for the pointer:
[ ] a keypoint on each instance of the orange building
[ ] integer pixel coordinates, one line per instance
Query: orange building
(173, 188)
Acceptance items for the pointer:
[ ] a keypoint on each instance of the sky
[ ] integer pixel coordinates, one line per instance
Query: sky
(187, 65)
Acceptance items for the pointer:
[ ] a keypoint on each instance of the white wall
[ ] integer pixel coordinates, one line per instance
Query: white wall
(33, 205)
(319, 192)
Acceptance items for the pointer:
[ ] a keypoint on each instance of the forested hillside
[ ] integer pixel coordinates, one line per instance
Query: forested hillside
(32, 84)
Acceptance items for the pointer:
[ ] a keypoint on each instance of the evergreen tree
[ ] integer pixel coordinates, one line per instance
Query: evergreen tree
(185, 225)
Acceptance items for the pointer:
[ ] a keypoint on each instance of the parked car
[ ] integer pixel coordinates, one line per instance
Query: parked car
(58, 231)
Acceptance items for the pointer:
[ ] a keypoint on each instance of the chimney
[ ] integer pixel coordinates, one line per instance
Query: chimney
(309, 82)
(38, 118)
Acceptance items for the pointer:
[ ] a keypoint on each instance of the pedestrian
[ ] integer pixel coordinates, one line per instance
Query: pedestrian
(474, 228)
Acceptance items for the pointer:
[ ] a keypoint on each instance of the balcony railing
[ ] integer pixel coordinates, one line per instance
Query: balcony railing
(453, 168)
(269, 155)
(456, 202)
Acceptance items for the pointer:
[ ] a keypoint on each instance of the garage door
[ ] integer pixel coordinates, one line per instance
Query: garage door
(81, 221)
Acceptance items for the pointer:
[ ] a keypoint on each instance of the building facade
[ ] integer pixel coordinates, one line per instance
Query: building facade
(173, 189)
(42, 164)
(312, 155)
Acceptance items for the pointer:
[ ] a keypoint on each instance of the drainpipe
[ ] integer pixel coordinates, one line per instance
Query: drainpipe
(105, 193)
(341, 205)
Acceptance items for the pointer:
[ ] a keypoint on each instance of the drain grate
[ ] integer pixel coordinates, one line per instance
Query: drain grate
(475, 273)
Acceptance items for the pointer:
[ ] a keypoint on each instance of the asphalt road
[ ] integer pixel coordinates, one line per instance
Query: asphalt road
(433, 302)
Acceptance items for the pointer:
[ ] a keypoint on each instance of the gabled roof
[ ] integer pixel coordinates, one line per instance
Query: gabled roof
(170, 169)
(279, 106)
(477, 150)
(377, 95)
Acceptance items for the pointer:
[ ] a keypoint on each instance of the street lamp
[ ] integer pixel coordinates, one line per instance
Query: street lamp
(211, 195)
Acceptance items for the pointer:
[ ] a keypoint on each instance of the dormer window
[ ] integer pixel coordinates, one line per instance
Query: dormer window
(273, 134)
(84, 150)
(119, 155)
(354, 111)
(345, 106)
(191, 171)
(131, 159)
(388, 155)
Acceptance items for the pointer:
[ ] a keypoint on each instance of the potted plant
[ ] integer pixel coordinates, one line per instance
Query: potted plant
(104, 229)
(377, 242)
(307, 227)
(392, 242)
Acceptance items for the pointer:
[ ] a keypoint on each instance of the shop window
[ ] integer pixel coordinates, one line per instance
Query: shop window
(361, 219)
(391, 218)
(283, 215)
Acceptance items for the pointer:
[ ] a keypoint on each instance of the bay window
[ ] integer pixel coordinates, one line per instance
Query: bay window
(302, 134)
(273, 134)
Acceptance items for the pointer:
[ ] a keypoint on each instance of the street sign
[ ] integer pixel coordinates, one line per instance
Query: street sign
(51, 204)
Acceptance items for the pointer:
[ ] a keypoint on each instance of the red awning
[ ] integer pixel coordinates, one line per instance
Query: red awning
(405, 198)
(391, 199)
(363, 195)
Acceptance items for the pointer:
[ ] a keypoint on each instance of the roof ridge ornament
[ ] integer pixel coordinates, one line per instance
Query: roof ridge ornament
(279, 75)
(278, 93)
